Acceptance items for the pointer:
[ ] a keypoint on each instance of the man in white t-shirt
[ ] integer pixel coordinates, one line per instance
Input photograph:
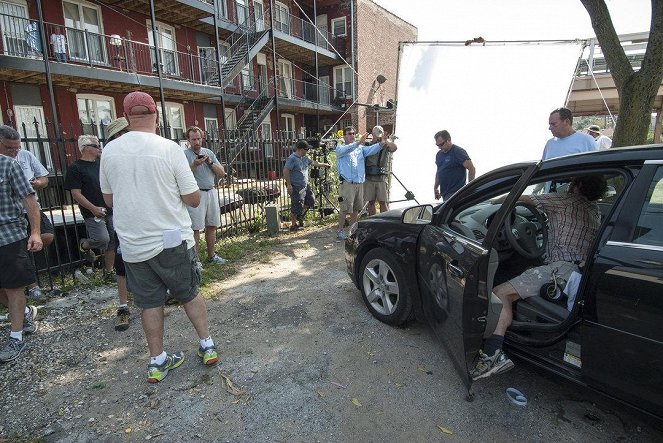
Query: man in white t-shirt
(565, 139)
(147, 181)
(603, 142)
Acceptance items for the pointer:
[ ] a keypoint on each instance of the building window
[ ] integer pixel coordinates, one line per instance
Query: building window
(26, 116)
(95, 111)
(208, 65)
(288, 126)
(212, 128)
(265, 134)
(343, 82)
(84, 32)
(167, 47)
(13, 22)
(338, 27)
(282, 18)
(175, 114)
(231, 119)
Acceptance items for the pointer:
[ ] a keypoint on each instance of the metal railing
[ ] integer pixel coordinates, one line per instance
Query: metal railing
(305, 30)
(593, 60)
(254, 163)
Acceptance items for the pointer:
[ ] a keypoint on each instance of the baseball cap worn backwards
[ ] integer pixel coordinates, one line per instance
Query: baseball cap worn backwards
(302, 145)
(136, 103)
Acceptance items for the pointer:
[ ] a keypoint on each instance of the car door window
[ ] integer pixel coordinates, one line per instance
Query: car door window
(649, 229)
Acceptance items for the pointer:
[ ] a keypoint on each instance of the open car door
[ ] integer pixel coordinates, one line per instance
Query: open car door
(454, 265)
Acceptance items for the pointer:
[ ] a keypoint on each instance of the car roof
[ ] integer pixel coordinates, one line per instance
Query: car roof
(621, 156)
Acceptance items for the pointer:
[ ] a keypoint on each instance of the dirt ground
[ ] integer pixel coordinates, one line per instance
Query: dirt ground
(305, 360)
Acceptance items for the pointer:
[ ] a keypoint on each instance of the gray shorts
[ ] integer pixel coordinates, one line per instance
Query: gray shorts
(528, 284)
(173, 268)
(101, 234)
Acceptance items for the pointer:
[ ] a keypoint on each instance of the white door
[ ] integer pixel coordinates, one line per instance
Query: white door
(321, 24)
(84, 33)
(26, 115)
(285, 78)
(259, 13)
(288, 125)
(167, 47)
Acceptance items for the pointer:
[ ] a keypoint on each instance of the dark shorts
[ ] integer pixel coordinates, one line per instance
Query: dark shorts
(45, 224)
(173, 268)
(16, 267)
(118, 264)
(301, 197)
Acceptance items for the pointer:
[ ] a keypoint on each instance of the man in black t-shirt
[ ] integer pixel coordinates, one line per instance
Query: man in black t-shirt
(83, 181)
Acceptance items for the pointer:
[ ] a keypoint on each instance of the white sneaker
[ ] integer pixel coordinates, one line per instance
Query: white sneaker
(217, 260)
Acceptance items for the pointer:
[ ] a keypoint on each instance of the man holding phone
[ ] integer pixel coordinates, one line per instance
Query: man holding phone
(206, 168)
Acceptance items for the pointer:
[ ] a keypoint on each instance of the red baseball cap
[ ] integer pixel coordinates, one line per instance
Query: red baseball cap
(139, 99)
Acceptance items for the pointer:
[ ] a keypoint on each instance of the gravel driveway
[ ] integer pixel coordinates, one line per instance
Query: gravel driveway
(305, 360)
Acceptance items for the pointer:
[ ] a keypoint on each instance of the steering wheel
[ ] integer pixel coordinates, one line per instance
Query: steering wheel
(522, 235)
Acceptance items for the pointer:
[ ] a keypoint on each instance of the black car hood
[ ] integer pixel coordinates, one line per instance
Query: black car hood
(391, 215)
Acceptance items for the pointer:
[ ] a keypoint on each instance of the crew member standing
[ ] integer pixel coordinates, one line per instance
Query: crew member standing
(207, 215)
(452, 162)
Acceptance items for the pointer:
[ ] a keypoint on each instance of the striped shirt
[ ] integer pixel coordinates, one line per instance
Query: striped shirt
(573, 222)
(14, 187)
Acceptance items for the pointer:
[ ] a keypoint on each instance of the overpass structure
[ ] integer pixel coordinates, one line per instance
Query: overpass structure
(593, 90)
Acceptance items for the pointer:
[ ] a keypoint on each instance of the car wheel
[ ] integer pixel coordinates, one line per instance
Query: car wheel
(384, 289)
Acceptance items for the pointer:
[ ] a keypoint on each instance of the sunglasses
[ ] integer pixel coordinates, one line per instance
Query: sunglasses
(439, 145)
(349, 133)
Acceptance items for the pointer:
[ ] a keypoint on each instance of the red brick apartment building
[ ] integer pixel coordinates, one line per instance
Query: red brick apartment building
(270, 68)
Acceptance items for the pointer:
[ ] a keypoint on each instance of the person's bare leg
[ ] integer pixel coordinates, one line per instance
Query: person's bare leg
(122, 291)
(47, 239)
(507, 294)
(293, 219)
(196, 310)
(109, 259)
(384, 206)
(196, 237)
(341, 219)
(353, 218)
(152, 320)
(16, 302)
(210, 239)
(371, 207)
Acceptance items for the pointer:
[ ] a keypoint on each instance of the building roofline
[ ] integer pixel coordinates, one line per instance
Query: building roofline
(396, 16)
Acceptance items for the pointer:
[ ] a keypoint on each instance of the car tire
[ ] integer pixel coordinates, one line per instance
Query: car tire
(384, 289)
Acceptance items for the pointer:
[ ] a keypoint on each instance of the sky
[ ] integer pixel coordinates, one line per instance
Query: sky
(494, 100)
(514, 19)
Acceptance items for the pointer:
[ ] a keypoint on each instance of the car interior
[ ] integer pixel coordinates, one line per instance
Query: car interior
(521, 244)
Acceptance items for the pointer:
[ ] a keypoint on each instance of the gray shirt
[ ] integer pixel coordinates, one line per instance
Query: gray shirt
(204, 175)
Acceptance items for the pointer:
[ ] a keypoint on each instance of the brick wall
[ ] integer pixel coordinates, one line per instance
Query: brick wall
(378, 34)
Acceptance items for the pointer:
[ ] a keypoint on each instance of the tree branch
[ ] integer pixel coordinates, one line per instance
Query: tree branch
(614, 54)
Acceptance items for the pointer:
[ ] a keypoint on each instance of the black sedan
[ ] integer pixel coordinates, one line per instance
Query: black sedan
(441, 263)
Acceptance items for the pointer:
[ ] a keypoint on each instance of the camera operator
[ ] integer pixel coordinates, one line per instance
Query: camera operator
(377, 172)
(295, 173)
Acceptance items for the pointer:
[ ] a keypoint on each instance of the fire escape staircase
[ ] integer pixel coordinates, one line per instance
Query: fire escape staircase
(257, 111)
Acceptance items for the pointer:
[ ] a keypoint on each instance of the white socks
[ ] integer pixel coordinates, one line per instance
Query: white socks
(206, 342)
(159, 359)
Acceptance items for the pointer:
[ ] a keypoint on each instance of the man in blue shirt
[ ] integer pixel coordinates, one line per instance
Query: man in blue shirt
(351, 169)
(295, 173)
(451, 161)
(565, 139)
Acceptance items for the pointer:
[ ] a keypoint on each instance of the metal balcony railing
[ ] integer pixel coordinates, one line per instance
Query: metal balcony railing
(304, 30)
(593, 60)
(323, 94)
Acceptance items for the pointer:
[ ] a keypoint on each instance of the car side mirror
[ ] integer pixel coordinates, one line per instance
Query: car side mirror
(418, 215)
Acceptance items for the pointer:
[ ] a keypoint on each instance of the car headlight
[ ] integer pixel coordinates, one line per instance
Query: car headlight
(353, 228)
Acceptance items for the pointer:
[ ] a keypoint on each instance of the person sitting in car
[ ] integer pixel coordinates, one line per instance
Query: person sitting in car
(573, 220)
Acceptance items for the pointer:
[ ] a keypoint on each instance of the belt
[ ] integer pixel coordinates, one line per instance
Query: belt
(205, 190)
(352, 183)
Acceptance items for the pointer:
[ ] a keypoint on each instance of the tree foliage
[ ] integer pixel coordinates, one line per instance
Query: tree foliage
(637, 89)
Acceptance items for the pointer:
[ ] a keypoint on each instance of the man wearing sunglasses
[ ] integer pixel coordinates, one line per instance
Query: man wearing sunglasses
(352, 173)
(451, 162)
(82, 180)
